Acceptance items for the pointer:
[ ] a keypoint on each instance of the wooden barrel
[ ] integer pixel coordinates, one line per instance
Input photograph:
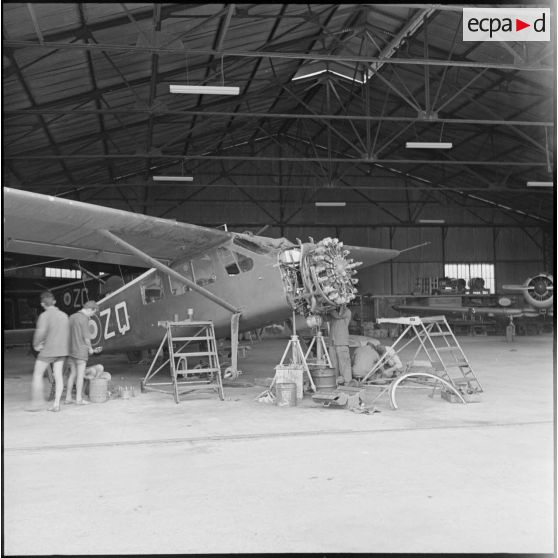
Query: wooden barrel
(98, 390)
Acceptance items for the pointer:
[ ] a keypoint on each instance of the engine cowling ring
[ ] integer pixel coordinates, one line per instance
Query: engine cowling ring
(328, 274)
(539, 291)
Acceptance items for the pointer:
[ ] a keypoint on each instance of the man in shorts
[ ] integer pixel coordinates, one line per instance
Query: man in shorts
(51, 340)
(80, 349)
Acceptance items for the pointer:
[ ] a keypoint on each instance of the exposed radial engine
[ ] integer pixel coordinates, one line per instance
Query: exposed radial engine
(539, 291)
(318, 276)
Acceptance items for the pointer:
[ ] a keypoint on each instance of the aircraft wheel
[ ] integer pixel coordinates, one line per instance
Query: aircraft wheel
(134, 356)
(231, 374)
(421, 375)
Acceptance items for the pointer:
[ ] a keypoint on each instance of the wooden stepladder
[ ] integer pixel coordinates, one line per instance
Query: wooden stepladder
(438, 344)
(187, 342)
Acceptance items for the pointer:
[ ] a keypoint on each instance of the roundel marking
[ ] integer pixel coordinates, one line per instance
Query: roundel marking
(67, 298)
(95, 330)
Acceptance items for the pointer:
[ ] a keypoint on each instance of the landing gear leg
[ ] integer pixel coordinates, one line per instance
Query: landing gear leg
(232, 372)
(510, 332)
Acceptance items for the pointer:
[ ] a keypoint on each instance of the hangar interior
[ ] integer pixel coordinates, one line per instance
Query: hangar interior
(316, 141)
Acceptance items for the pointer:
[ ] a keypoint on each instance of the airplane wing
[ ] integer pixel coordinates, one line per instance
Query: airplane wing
(51, 226)
(461, 309)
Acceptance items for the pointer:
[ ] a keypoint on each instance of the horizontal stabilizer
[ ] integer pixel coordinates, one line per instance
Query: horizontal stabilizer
(461, 309)
(371, 256)
(415, 246)
(516, 287)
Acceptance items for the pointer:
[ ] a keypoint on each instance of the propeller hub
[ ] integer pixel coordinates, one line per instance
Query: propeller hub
(540, 291)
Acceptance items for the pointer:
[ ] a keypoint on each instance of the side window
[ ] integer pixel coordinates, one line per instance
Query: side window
(204, 270)
(231, 267)
(244, 262)
(177, 287)
(152, 289)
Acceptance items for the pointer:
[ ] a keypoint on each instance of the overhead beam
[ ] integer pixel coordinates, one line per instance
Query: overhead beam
(156, 29)
(408, 29)
(12, 44)
(43, 123)
(244, 156)
(390, 187)
(100, 119)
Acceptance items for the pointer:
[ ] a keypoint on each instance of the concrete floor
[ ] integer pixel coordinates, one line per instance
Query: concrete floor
(148, 476)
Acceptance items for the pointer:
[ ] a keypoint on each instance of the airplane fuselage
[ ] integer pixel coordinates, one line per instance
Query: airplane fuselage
(128, 319)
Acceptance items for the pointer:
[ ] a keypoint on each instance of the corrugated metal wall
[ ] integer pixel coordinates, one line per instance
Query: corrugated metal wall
(517, 253)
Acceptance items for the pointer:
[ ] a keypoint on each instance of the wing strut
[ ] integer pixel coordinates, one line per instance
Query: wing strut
(165, 269)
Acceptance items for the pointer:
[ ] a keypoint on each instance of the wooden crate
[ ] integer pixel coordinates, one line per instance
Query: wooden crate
(291, 375)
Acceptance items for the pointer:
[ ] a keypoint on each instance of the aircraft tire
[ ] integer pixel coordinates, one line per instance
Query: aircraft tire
(231, 374)
(403, 377)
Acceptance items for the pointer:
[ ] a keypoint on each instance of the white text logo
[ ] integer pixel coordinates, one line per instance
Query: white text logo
(506, 24)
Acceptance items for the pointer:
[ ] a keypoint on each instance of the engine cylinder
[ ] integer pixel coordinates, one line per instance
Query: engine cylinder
(318, 276)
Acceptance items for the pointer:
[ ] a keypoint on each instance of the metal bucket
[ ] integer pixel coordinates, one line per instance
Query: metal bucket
(324, 378)
(98, 390)
(286, 395)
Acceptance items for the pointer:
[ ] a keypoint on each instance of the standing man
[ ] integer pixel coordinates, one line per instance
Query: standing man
(80, 349)
(339, 339)
(51, 342)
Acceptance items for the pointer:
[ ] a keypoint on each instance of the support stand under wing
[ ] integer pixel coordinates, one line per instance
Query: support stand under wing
(169, 271)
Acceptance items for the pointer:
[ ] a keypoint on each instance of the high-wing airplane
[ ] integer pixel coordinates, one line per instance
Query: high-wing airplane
(238, 281)
(538, 293)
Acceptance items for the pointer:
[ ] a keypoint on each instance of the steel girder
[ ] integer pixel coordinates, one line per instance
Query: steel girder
(319, 155)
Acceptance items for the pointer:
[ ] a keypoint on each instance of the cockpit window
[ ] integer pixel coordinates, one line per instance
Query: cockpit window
(152, 289)
(244, 262)
(250, 245)
(178, 287)
(204, 270)
(235, 262)
(231, 267)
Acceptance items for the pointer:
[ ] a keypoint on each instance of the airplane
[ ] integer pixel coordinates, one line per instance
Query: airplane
(240, 282)
(538, 293)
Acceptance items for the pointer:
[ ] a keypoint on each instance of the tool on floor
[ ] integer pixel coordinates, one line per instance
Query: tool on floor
(348, 397)
(446, 362)
(179, 337)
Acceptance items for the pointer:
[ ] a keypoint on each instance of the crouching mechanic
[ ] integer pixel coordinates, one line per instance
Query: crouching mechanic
(80, 349)
(339, 339)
